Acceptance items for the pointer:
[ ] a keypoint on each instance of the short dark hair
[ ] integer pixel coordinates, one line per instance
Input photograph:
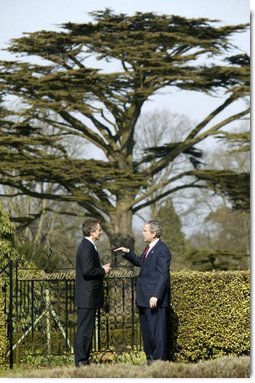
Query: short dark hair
(155, 227)
(89, 225)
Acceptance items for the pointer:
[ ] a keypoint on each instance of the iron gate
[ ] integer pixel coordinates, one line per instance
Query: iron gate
(41, 314)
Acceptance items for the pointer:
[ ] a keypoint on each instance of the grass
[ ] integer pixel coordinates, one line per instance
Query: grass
(225, 367)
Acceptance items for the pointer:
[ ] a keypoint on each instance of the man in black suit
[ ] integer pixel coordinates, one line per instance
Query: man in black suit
(89, 291)
(153, 291)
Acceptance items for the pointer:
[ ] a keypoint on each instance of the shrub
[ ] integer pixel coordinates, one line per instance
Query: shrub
(7, 230)
(210, 315)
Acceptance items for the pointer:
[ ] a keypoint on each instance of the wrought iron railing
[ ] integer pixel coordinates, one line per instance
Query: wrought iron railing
(41, 315)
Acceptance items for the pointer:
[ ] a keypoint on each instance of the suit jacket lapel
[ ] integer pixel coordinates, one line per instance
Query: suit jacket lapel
(153, 249)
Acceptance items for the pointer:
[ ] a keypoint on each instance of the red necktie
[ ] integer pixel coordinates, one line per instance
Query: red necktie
(147, 249)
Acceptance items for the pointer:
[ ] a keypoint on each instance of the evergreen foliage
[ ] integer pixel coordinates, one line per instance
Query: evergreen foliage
(224, 244)
(101, 106)
(172, 232)
(234, 185)
(7, 230)
(205, 259)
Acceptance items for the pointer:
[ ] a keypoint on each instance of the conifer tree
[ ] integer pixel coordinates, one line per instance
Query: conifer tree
(101, 105)
(234, 184)
(172, 234)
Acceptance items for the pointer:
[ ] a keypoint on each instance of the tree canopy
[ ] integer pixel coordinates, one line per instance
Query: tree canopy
(67, 94)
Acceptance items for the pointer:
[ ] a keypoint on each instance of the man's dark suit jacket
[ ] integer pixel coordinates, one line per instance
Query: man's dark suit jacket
(154, 278)
(89, 292)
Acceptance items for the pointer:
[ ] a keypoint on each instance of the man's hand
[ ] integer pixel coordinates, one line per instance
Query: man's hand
(107, 268)
(123, 249)
(153, 302)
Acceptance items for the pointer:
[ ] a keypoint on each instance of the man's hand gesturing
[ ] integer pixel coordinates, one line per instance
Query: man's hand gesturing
(123, 249)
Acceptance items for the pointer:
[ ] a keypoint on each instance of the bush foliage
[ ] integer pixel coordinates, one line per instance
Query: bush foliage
(7, 230)
(211, 315)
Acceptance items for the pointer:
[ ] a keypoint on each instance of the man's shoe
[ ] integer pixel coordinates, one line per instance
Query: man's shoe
(149, 362)
(83, 363)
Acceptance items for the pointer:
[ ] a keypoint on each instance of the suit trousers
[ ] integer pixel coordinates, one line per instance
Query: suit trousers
(84, 333)
(154, 327)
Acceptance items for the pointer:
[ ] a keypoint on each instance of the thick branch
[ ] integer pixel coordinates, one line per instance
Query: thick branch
(161, 185)
(155, 168)
(216, 128)
(88, 133)
(165, 194)
(210, 116)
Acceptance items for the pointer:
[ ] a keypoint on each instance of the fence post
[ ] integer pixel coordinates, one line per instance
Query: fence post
(10, 314)
(47, 306)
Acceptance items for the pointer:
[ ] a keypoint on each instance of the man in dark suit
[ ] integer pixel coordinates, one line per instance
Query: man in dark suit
(152, 291)
(89, 291)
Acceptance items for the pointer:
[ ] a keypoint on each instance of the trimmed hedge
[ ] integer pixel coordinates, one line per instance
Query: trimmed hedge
(3, 335)
(210, 315)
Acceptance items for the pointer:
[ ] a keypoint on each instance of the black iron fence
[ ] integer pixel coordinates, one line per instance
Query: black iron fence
(41, 315)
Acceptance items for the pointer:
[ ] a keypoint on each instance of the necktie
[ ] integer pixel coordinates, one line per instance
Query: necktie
(147, 249)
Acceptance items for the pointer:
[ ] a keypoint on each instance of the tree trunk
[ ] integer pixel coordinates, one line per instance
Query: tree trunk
(119, 229)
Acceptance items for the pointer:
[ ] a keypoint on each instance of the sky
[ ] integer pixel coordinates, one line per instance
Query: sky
(18, 16)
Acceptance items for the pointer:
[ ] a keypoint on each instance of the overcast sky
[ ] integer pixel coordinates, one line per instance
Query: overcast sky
(18, 16)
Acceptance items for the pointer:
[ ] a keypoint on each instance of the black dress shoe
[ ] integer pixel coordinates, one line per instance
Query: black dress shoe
(83, 363)
(149, 362)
